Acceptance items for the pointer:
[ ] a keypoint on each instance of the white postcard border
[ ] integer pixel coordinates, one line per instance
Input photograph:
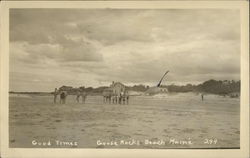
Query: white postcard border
(243, 152)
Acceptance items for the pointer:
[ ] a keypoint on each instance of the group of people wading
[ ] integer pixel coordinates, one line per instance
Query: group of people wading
(116, 94)
(63, 96)
(116, 98)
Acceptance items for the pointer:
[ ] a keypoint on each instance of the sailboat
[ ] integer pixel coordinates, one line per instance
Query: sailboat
(158, 89)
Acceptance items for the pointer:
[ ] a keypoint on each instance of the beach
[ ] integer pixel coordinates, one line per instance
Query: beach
(179, 120)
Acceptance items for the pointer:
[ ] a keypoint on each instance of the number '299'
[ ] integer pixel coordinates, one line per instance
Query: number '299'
(210, 141)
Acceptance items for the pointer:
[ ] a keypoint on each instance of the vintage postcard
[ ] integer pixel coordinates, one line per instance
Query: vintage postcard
(119, 79)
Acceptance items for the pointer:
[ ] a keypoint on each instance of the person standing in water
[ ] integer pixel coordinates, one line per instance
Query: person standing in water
(83, 95)
(78, 94)
(202, 97)
(63, 97)
(127, 97)
(55, 95)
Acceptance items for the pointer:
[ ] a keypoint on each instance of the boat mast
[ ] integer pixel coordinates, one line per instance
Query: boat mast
(158, 85)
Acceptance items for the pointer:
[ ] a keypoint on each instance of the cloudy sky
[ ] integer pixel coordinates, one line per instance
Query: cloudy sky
(93, 47)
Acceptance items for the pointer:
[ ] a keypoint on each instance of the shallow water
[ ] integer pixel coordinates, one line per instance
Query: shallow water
(162, 119)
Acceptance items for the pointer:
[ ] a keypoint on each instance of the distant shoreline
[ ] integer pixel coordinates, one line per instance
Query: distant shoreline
(100, 94)
(223, 88)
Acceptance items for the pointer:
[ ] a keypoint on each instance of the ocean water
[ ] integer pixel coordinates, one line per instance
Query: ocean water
(180, 120)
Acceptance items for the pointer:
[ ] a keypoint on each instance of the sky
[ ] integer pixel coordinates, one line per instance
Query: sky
(93, 47)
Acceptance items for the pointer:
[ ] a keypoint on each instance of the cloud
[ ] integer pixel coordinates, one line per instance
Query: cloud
(110, 26)
(41, 53)
(93, 47)
(196, 59)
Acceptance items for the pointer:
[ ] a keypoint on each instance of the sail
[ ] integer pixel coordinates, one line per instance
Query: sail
(158, 85)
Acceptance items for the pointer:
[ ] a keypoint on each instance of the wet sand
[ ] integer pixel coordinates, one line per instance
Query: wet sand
(165, 121)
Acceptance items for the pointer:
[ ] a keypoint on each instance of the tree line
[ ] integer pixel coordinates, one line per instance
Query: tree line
(211, 86)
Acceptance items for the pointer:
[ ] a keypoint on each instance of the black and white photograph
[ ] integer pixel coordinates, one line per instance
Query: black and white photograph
(125, 78)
